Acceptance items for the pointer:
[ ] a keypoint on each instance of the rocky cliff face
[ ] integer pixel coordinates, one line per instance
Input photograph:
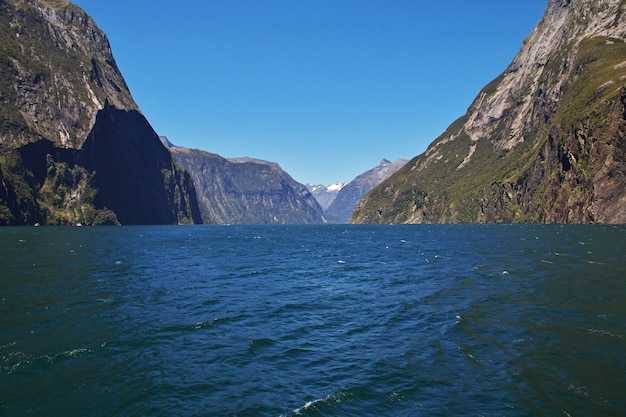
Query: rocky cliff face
(73, 145)
(57, 71)
(544, 142)
(348, 197)
(245, 190)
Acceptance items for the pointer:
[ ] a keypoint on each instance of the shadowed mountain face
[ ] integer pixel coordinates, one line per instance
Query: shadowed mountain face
(74, 147)
(544, 142)
(245, 190)
(134, 173)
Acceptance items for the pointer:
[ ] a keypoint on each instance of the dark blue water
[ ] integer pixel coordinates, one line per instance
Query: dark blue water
(313, 321)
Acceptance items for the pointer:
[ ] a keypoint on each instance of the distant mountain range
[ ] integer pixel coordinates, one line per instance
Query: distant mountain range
(245, 190)
(340, 199)
(325, 195)
(340, 210)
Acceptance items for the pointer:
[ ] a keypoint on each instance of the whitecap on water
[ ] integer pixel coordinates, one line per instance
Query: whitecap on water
(68, 354)
(204, 324)
(75, 352)
(329, 400)
(396, 396)
(209, 323)
(298, 411)
(8, 345)
(602, 332)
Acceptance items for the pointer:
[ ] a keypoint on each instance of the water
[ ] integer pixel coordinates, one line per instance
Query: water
(313, 321)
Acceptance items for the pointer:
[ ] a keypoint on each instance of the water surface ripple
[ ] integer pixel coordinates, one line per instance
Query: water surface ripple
(472, 320)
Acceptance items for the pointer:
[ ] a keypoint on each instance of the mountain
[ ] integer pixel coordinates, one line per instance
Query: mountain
(74, 147)
(545, 142)
(246, 190)
(348, 197)
(325, 195)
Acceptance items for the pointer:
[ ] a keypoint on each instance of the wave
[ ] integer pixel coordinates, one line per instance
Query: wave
(322, 405)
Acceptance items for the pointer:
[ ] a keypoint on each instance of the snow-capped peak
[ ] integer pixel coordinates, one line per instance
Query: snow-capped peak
(336, 186)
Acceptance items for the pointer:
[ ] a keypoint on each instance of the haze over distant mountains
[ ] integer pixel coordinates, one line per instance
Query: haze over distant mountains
(325, 195)
(347, 197)
(246, 190)
(253, 191)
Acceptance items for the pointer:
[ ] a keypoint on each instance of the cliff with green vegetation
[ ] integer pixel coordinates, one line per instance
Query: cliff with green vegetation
(74, 147)
(245, 190)
(545, 142)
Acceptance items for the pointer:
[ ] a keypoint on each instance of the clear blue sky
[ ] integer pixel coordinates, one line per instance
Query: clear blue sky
(326, 88)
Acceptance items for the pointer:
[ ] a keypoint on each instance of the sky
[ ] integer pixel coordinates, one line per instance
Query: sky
(325, 88)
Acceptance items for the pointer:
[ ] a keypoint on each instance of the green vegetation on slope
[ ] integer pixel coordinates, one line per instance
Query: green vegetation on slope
(44, 185)
(600, 74)
(52, 73)
(544, 178)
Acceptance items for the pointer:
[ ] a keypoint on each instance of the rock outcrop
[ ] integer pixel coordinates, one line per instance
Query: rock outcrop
(544, 142)
(246, 190)
(74, 147)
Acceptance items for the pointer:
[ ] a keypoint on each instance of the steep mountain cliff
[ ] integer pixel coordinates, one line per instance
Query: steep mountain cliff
(544, 142)
(348, 197)
(73, 145)
(246, 190)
